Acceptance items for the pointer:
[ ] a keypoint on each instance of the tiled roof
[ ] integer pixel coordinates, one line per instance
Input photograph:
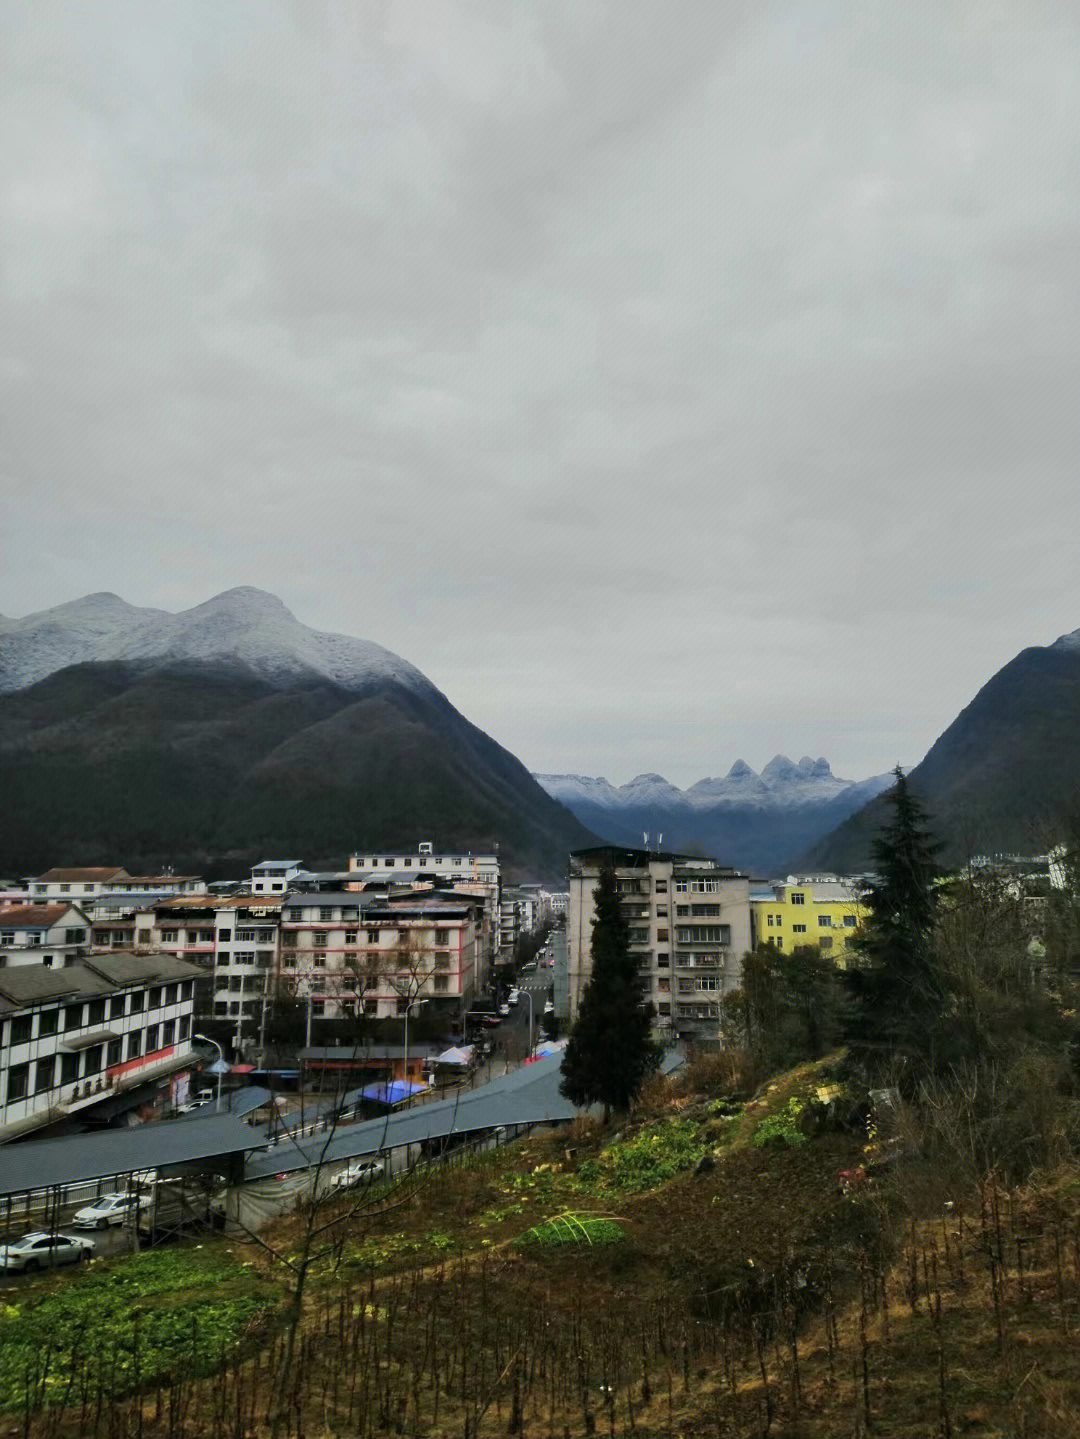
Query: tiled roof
(33, 916)
(81, 876)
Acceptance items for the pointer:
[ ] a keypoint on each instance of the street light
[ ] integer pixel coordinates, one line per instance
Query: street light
(205, 1039)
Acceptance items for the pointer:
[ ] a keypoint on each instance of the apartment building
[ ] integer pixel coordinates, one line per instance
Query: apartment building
(353, 952)
(78, 1038)
(52, 935)
(689, 919)
(823, 912)
(472, 874)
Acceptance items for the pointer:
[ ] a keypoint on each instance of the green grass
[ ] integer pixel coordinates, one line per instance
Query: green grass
(571, 1229)
(644, 1161)
(132, 1319)
(782, 1127)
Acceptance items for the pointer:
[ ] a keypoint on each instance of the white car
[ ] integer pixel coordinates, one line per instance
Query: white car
(504, 1009)
(363, 1172)
(43, 1251)
(110, 1209)
(513, 996)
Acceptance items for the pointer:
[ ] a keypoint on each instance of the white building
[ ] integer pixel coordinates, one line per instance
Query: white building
(52, 935)
(68, 884)
(75, 1037)
(273, 876)
(689, 920)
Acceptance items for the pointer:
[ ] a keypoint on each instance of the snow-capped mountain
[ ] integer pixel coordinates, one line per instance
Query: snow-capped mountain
(782, 784)
(755, 821)
(243, 624)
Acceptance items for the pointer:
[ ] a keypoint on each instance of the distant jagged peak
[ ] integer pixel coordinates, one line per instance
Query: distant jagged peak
(815, 768)
(244, 603)
(779, 768)
(740, 770)
(1070, 641)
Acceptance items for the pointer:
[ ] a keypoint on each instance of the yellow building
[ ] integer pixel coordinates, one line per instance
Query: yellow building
(825, 913)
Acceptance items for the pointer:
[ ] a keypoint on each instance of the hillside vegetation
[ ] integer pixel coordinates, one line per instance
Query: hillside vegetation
(209, 765)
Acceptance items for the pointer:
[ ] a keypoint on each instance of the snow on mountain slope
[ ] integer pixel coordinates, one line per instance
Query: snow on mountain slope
(244, 624)
(782, 784)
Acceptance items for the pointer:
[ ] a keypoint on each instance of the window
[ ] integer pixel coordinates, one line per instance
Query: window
(169, 936)
(664, 986)
(661, 911)
(849, 921)
(172, 993)
(826, 942)
(318, 941)
(188, 989)
(442, 937)
(48, 1021)
(116, 1007)
(96, 1012)
(245, 956)
(661, 886)
(704, 934)
(114, 1053)
(73, 1016)
(442, 984)
(224, 936)
(20, 1029)
(350, 936)
(798, 898)
(705, 909)
(142, 937)
(74, 936)
(7, 937)
(824, 921)
(18, 1081)
(664, 1007)
(373, 936)
(682, 909)
(138, 1000)
(69, 1068)
(663, 935)
(151, 1038)
(318, 959)
(94, 1056)
(185, 1026)
(168, 1033)
(663, 961)
(799, 928)
(45, 1075)
(708, 982)
(134, 1044)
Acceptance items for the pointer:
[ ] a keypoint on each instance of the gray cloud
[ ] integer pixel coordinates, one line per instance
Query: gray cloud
(669, 382)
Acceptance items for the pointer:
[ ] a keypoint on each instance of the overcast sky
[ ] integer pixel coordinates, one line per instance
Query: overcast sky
(672, 383)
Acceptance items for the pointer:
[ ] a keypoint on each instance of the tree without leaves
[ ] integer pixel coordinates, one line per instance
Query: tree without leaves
(610, 1053)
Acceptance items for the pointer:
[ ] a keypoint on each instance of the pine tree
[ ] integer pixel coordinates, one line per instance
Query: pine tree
(896, 984)
(610, 1053)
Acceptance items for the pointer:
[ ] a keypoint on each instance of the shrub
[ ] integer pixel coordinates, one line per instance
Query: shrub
(571, 1229)
(782, 1128)
(642, 1162)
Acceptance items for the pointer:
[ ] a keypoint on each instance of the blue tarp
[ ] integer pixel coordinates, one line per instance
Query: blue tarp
(392, 1092)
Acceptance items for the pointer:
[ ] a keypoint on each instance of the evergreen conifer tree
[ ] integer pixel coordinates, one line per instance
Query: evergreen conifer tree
(896, 984)
(610, 1052)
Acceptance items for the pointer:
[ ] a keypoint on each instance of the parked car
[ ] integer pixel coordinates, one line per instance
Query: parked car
(513, 996)
(362, 1172)
(193, 1104)
(504, 1009)
(110, 1209)
(549, 1008)
(43, 1251)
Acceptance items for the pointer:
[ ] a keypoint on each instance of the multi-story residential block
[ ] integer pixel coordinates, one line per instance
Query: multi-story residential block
(232, 938)
(73, 1038)
(472, 874)
(353, 952)
(825, 913)
(689, 919)
(52, 935)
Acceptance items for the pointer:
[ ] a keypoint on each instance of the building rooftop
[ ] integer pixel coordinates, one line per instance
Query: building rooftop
(35, 916)
(277, 866)
(27, 985)
(81, 876)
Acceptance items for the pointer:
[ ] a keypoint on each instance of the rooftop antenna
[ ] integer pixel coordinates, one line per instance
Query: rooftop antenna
(659, 842)
(646, 839)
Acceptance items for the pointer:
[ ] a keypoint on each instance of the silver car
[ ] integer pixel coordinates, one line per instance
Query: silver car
(43, 1251)
(110, 1209)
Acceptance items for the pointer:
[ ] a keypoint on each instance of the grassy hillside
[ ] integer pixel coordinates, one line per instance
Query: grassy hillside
(211, 765)
(709, 1269)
